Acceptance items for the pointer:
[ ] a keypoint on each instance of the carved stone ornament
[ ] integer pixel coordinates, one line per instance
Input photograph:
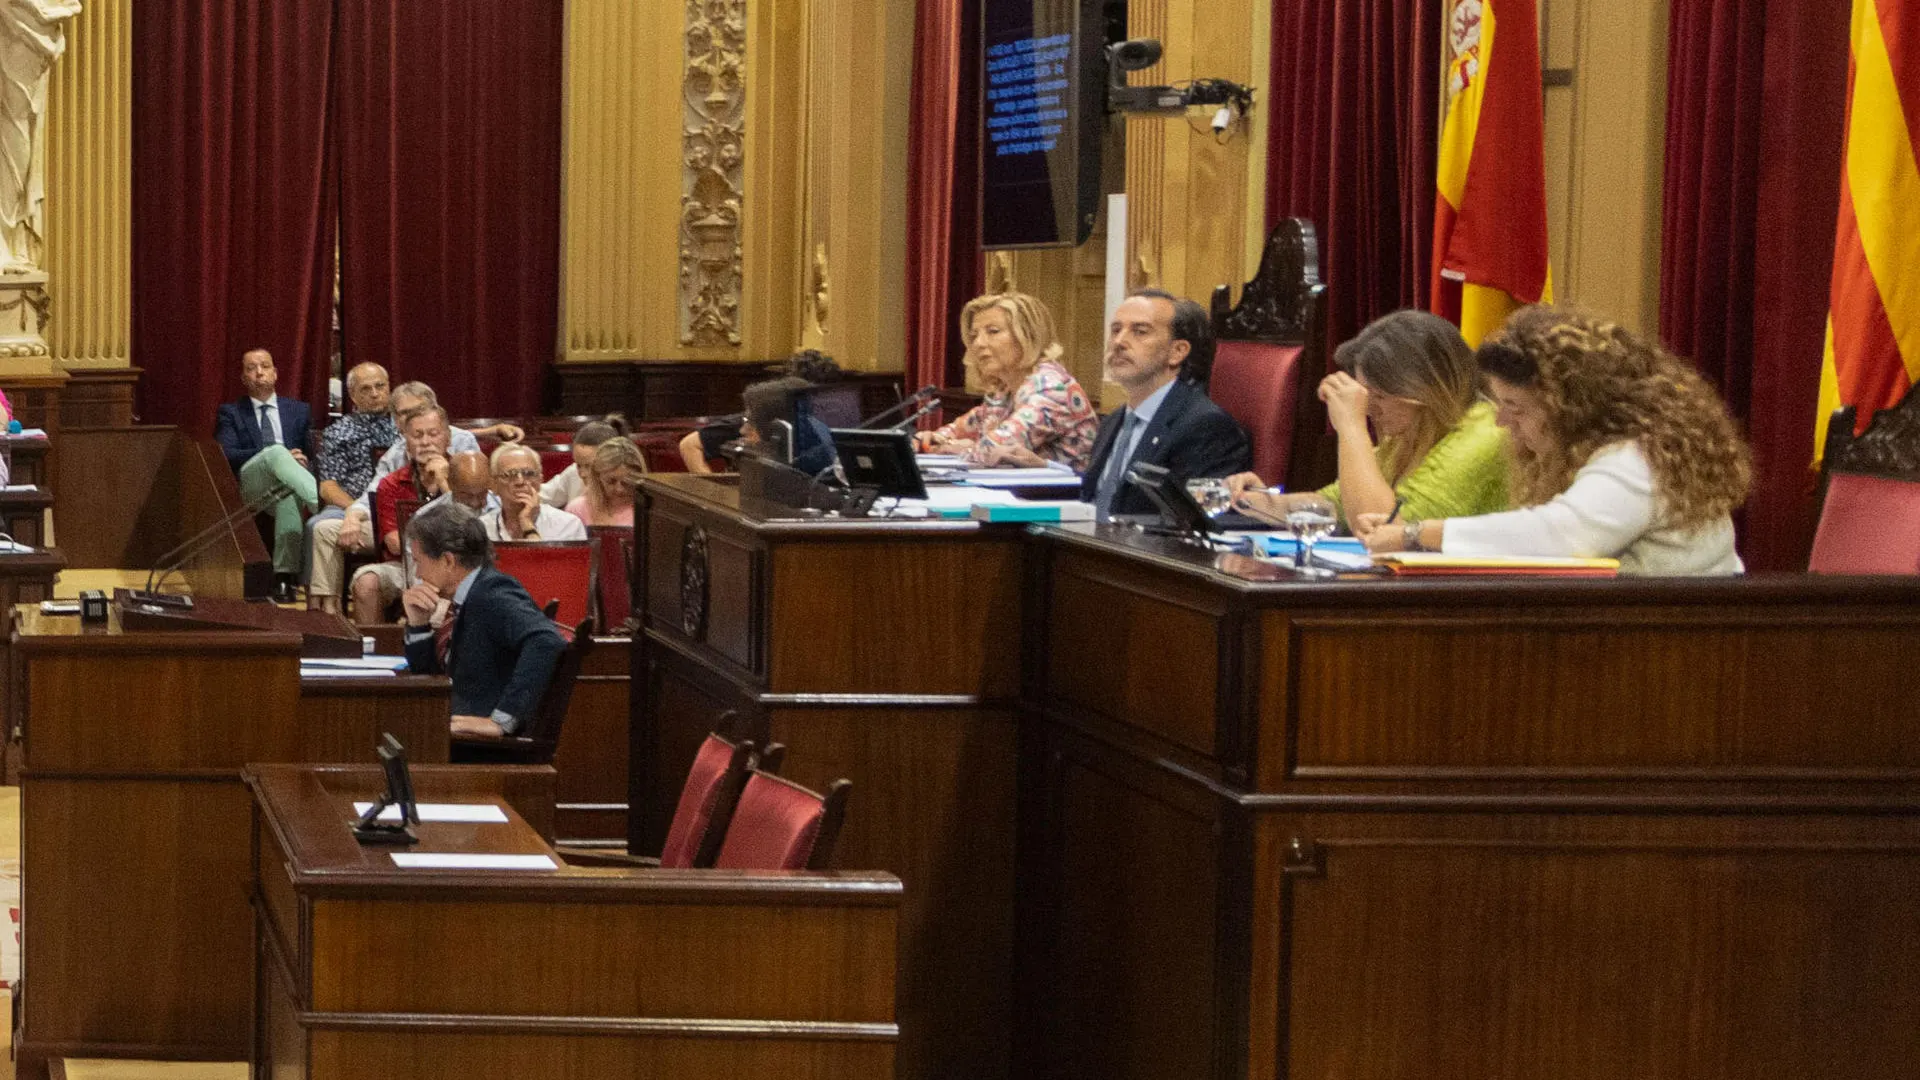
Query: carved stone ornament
(714, 155)
(693, 583)
(24, 309)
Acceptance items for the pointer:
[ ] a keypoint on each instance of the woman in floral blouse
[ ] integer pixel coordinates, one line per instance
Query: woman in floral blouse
(1035, 410)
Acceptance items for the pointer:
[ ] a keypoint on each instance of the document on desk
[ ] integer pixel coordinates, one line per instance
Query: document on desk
(453, 860)
(20, 487)
(446, 811)
(14, 547)
(316, 671)
(1058, 476)
(357, 663)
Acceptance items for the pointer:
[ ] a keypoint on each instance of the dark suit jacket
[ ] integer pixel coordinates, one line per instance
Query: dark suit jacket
(502, 654)
(237, 428)
(1190, 436)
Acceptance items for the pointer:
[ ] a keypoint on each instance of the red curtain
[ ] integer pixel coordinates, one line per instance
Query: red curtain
(943, 188)
(233, 200)
(449, 118)
(1353, 135)
(1756, 102)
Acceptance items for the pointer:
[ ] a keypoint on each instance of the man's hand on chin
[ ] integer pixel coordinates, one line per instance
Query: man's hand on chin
(477, 725)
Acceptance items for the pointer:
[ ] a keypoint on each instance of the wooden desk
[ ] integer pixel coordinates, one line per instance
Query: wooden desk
(884, 652)
(27, 458)
(24, 513)
(367, 969)
(1470, 828)
(134, 823)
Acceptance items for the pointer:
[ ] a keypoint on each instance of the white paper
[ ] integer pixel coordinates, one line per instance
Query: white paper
(940, 461)
(364, 663)
(308, 671)
(20, 487)
(434, 860)
(14, 547)
(441, 811)
(30, 433)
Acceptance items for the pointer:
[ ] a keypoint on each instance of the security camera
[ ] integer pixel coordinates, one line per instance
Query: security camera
(1222, 119)
(1135, 55)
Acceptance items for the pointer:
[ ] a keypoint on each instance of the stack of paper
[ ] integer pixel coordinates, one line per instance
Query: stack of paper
(1433, 562)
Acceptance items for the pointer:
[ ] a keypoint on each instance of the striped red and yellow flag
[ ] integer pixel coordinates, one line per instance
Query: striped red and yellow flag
(1873, 315)
(1490, 221)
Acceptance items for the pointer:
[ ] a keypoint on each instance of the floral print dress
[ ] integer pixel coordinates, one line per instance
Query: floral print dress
(1047, 413)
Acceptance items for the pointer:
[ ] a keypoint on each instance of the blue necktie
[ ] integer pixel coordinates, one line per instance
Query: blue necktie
(1116, 471)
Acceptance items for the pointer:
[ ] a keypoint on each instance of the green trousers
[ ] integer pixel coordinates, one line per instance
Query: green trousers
(257, 477)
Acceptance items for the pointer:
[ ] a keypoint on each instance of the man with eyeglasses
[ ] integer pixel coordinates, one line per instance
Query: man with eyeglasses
(521, 514)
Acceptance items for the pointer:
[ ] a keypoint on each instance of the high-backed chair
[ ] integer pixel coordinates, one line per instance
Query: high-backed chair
(614, 577)
(779, 825)
(551, 570)
(534, 743)
(1870, 513)
(1271, 356)
(707, 803)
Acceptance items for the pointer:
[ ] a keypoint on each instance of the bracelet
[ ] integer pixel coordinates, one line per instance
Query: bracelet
(1410, 537)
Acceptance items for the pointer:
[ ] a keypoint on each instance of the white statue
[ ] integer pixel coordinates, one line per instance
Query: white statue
(32, 37)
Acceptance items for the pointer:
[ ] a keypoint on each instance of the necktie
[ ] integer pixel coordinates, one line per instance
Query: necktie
(267, 434)
(443, 639)
(1116, 470)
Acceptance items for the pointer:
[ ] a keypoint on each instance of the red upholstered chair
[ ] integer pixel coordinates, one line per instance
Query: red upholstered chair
(1271, 356)
(706, 803)
(552, 570)
(555, 459)
(613, 569)
(779, 825)
(1870, 519)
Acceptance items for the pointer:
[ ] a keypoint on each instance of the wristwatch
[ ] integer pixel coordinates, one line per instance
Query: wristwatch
(1410, 537)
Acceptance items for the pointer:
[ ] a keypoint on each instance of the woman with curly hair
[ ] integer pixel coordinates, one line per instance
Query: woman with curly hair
(1035, 410)
(1620, 450)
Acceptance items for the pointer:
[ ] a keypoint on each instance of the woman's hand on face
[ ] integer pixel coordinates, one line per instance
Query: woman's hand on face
(1378, 534)
(1346, 402)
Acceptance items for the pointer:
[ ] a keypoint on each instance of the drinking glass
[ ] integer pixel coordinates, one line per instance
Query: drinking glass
(1310, 518)
(1211, 493)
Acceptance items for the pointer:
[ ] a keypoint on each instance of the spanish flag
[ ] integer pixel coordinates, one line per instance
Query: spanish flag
(1873, 314)
(1490, 221)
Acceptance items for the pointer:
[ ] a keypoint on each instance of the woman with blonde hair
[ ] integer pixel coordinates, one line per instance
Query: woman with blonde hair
(1411, 377)
(616, 467)
(1035, 410)
(1620, 450)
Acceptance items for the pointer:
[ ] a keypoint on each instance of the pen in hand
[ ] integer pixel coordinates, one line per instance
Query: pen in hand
(1397, 504)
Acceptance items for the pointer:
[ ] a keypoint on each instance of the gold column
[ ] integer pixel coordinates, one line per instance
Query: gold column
(89, 190)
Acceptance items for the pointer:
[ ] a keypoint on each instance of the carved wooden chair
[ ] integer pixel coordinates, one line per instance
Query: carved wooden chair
(1271, 355)
(537, 739)
(1870, 510)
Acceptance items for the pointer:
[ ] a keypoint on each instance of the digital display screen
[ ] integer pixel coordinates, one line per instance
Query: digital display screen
(1041, 121)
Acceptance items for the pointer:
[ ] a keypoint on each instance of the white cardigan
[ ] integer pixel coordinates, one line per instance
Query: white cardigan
(1608, 512)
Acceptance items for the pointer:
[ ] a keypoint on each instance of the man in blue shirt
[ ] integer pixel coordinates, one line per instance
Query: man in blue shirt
(1160, 351)
(495, 644)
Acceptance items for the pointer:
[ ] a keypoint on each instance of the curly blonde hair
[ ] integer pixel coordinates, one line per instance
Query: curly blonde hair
(1600, 383)
(1031, 324)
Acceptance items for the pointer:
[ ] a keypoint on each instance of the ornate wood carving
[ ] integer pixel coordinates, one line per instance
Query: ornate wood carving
(1277, 305)
(714, 93)
(1890, 446)
(693, 584)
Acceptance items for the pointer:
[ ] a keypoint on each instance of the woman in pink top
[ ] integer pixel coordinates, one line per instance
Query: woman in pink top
(1035, 409)
(608, 499)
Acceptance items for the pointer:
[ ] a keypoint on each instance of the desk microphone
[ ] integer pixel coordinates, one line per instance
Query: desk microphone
(928, 392)
(916, 415)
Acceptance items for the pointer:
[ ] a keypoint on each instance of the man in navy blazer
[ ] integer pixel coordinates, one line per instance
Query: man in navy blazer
(495, 645)
(1160, 351)
(265, 439)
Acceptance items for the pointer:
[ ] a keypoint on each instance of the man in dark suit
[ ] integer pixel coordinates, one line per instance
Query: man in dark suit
(495, 644)
(1160, 351)
(265, 439)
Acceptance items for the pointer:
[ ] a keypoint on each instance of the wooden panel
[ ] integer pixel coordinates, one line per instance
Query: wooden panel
(931, 617)
(1120, 895)
(1605, 946)
(592, 756)
(1159, 650)
(932, 803)
(1639, 689)
(116, 504)
(654, 960)
(343, 719)
(428, 1056)
(98, 397)
(733, 601)
(133, 885)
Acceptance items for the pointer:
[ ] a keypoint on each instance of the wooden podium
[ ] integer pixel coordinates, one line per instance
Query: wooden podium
(367, 968)
(135, 827)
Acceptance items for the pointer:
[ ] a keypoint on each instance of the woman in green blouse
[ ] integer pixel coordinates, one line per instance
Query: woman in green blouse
(1411, 376)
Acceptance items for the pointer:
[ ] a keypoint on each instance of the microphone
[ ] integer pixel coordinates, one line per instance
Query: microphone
(923, 410)
(928, 392)
(193, 545)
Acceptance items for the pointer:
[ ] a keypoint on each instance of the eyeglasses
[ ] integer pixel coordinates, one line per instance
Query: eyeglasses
(518, 474)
